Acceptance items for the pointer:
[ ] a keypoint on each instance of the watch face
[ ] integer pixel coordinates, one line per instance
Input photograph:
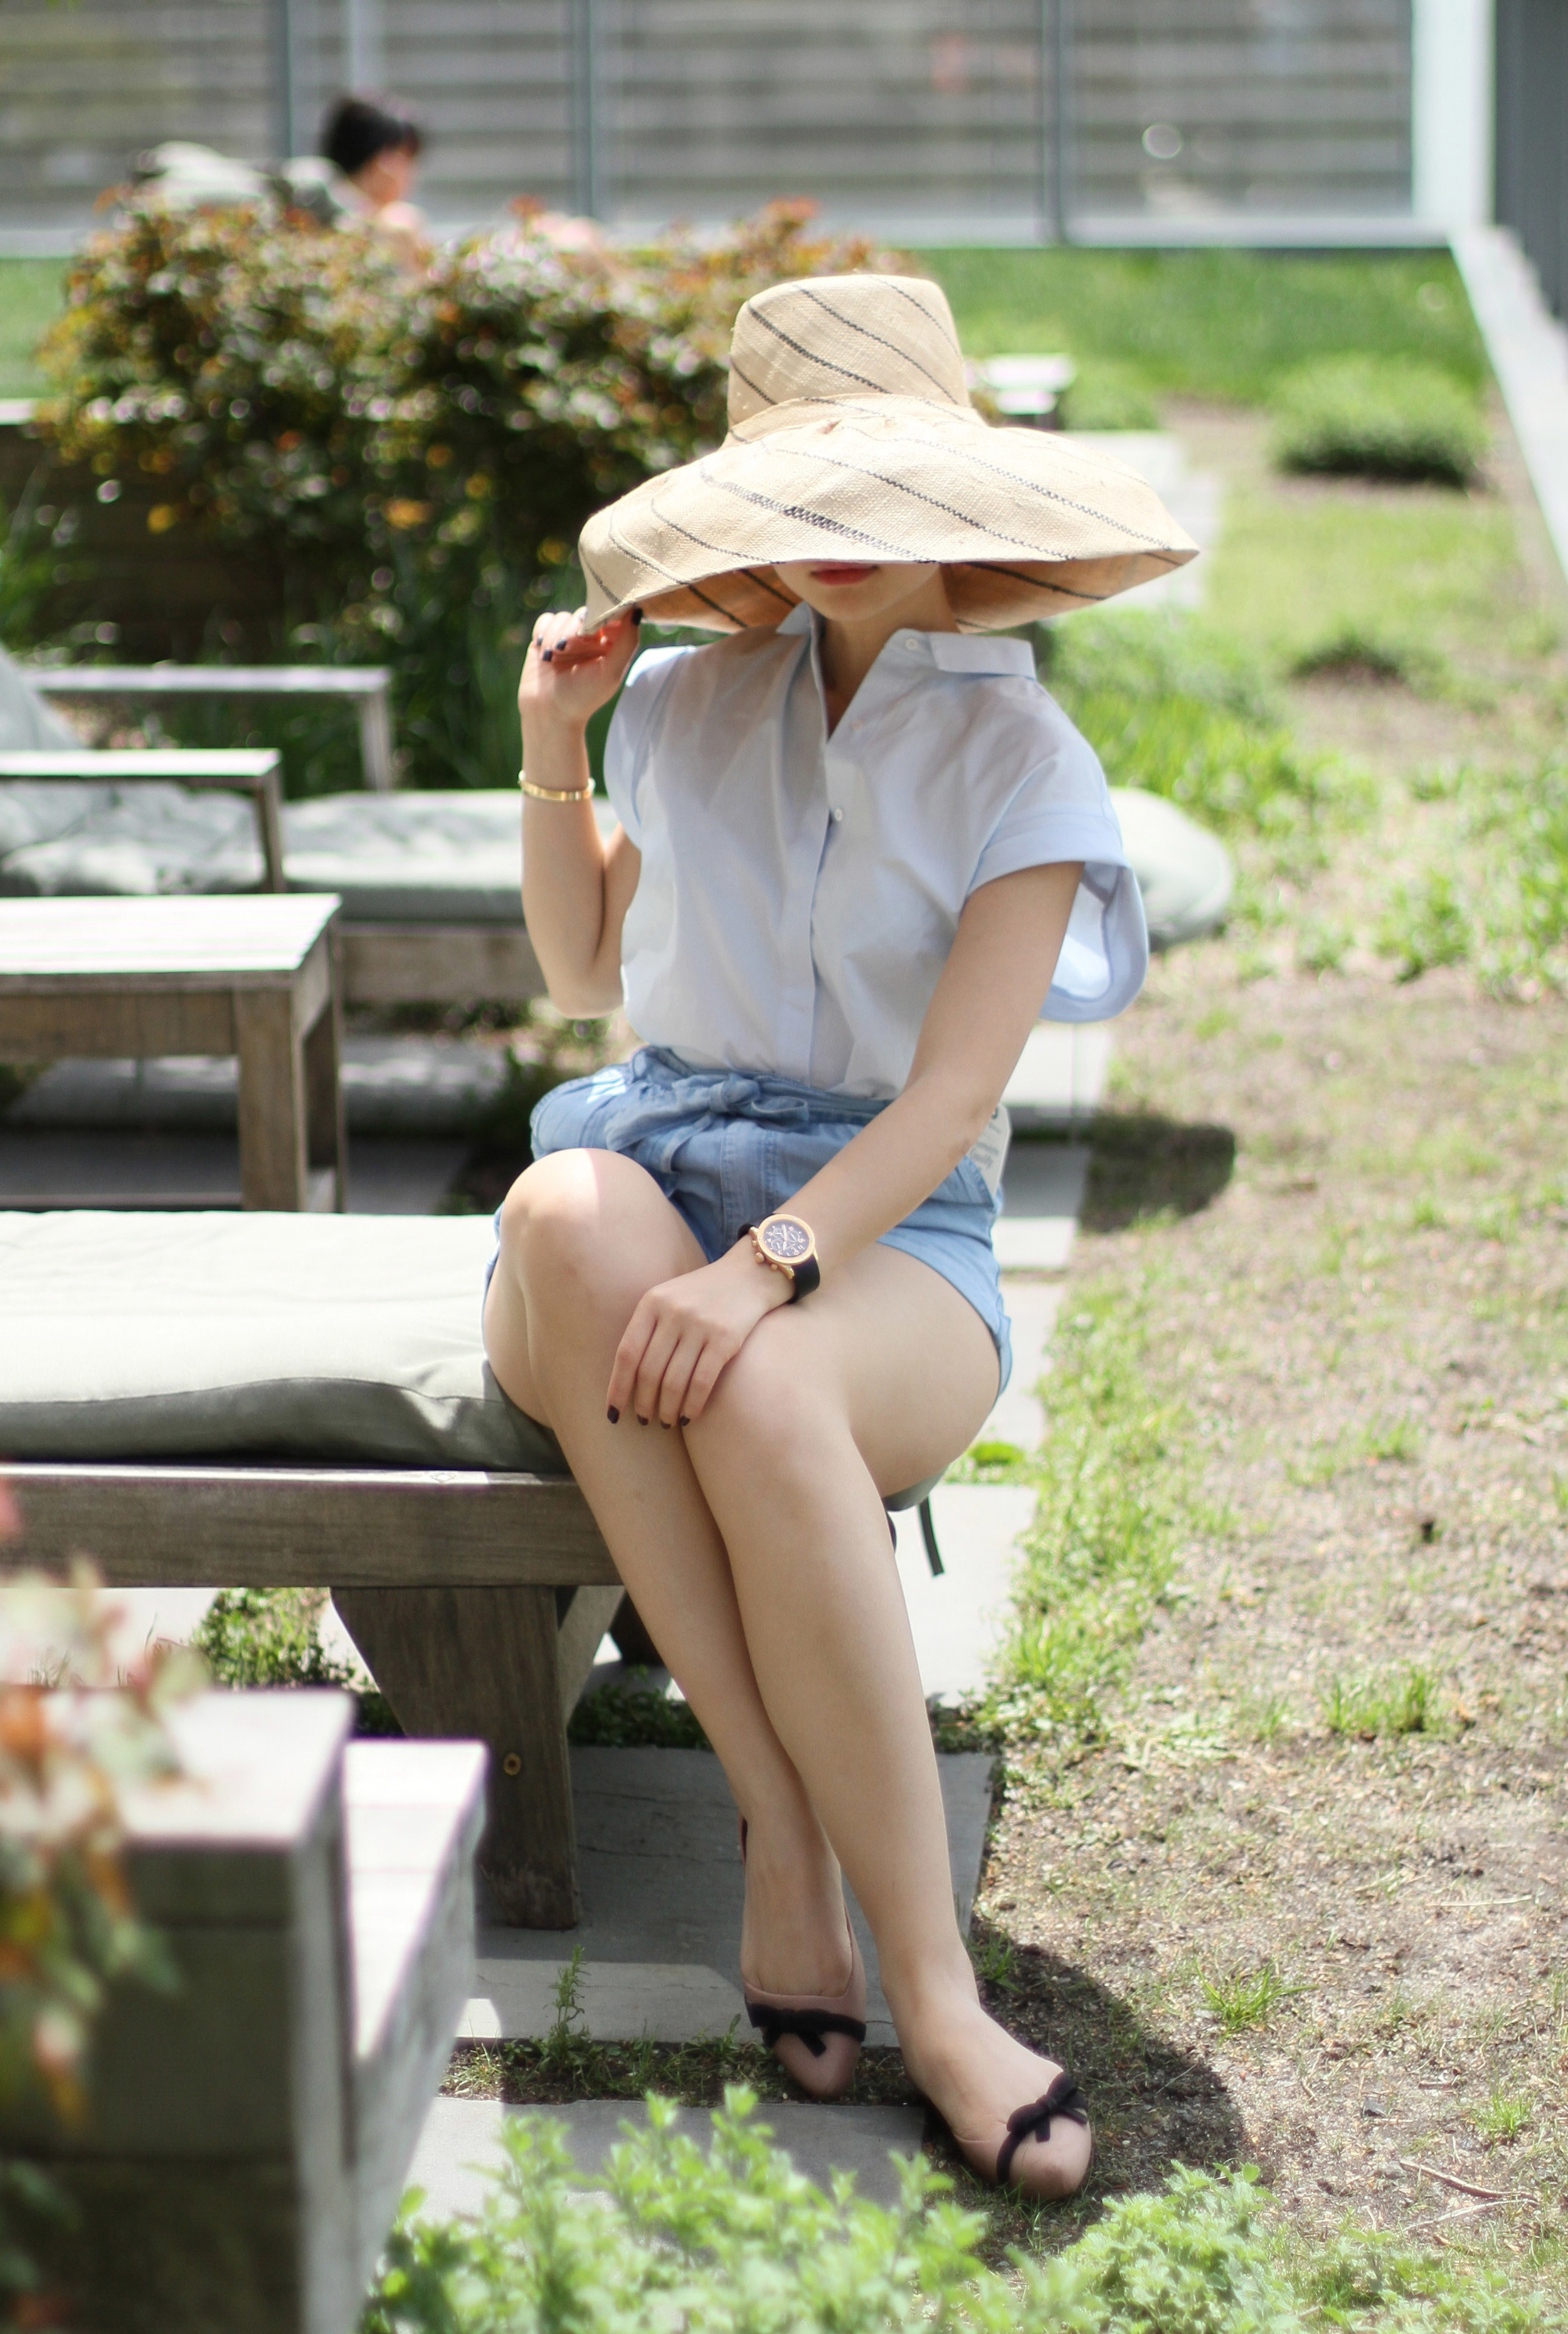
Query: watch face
(786, 1239)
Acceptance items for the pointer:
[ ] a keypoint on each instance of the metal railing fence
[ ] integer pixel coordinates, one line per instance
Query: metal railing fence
(1016, 119)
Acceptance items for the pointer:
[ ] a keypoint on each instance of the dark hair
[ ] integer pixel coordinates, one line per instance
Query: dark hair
(357, 129)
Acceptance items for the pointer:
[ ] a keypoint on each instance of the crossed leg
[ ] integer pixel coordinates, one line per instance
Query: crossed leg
(756, 1547)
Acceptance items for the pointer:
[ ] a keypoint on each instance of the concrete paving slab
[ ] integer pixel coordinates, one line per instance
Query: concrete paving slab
(662, 1892)
(1032, 1307)
(460, 2149)
(1061, 1075)
(1042, 1195)
(126, 1167)
(959, 1615)
(391, 1086)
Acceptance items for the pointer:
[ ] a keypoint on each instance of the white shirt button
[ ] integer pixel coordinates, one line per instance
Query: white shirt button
(836, 815)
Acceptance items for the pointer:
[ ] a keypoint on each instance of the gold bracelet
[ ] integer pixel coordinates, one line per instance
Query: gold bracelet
(553, 794)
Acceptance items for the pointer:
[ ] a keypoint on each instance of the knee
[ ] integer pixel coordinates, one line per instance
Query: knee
(773, 1404)
(553, 1231)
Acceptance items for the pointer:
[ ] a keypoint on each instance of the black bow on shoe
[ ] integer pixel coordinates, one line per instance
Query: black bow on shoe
(808, 2025)
(1063, 2099)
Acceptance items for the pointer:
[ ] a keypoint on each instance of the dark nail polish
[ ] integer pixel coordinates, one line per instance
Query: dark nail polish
(686, 1422)
(549, 656)
(640, 1420)
(636, 615)
(613, 1415)
(665, 1423)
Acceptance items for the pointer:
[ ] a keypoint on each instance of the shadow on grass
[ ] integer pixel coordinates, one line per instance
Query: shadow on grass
(1154, 2104)
(1144, 1165)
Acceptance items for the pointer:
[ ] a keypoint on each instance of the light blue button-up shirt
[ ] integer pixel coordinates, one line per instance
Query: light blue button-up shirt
(800, 894)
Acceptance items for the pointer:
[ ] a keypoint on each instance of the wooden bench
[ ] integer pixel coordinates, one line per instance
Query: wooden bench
(368, 688)
(333, 1368)
(253, 977)
(382, 962)
(477, 1600)
(249, 2134)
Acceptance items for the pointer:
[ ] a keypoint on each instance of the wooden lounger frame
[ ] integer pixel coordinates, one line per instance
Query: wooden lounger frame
(477, 1601)
(377, 963)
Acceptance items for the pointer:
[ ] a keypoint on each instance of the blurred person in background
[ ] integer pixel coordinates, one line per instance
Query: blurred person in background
(374, 146)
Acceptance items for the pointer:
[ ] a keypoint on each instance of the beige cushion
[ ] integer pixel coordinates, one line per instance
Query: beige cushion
(347, 1339)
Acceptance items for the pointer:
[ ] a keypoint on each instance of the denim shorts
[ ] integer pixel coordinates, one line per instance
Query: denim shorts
(727, 1148)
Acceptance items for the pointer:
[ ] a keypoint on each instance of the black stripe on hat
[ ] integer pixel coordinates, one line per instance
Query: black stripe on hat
(1036, 583)
(1020, 486)
(866, 333)
(755, 387)
(645, 559)
(825, 364)
(966, 518)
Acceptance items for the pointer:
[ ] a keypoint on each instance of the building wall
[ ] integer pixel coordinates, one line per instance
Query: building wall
(969, 117)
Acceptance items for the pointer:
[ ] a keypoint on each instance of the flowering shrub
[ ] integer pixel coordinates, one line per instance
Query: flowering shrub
(417, 458)
(77, 1729)
(232, 361)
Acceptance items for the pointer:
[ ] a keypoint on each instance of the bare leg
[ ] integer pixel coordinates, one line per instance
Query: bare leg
(870, 1385)
(757, 1548)
(583, 1234)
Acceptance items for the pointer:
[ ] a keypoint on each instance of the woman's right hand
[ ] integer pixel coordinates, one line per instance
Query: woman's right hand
(570, 673)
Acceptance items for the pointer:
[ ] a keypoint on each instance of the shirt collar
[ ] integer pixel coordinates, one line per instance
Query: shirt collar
(975, 652)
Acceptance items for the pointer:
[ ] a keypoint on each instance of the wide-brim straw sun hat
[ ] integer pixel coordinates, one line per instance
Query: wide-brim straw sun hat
(851, 436)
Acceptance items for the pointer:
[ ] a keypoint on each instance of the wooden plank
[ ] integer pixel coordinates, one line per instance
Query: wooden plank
(54, 944)
(414, 1813)
(582, 1630)
(483, 1664)
(273, 1163)
(216, 1527)
(240, 766)
(224, 2246)
(418, 964)
(357, 681)
(326, 1120)
(49, 1024)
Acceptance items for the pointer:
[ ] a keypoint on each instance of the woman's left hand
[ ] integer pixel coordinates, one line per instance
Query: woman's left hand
(684, 1332)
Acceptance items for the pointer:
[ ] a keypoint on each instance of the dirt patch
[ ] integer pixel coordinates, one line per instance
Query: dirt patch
(1366, 1326)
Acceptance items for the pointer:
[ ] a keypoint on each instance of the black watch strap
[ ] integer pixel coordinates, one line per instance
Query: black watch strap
(804, 1276)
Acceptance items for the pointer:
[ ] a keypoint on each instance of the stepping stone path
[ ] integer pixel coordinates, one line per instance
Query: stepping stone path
(460, 2149)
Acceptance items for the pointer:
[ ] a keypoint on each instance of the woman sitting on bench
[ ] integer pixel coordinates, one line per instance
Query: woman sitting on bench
(749, 1281)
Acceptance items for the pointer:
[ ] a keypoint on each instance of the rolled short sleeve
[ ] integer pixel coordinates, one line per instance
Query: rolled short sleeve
(1062, 811)
(632, 725)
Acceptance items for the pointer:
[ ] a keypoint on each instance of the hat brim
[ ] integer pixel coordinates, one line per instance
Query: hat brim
(1027, 524)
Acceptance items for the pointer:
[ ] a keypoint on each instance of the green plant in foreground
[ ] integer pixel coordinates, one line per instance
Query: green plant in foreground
(1378, 418)
(1402, 1702)
(729, 2239)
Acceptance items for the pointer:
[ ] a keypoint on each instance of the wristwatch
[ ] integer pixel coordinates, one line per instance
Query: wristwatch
(785, 1244)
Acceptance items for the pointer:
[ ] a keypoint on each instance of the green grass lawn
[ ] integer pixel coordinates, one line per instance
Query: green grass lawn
(30, 298)
(1210, 324)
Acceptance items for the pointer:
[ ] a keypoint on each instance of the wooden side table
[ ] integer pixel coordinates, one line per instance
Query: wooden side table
(252, 975)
